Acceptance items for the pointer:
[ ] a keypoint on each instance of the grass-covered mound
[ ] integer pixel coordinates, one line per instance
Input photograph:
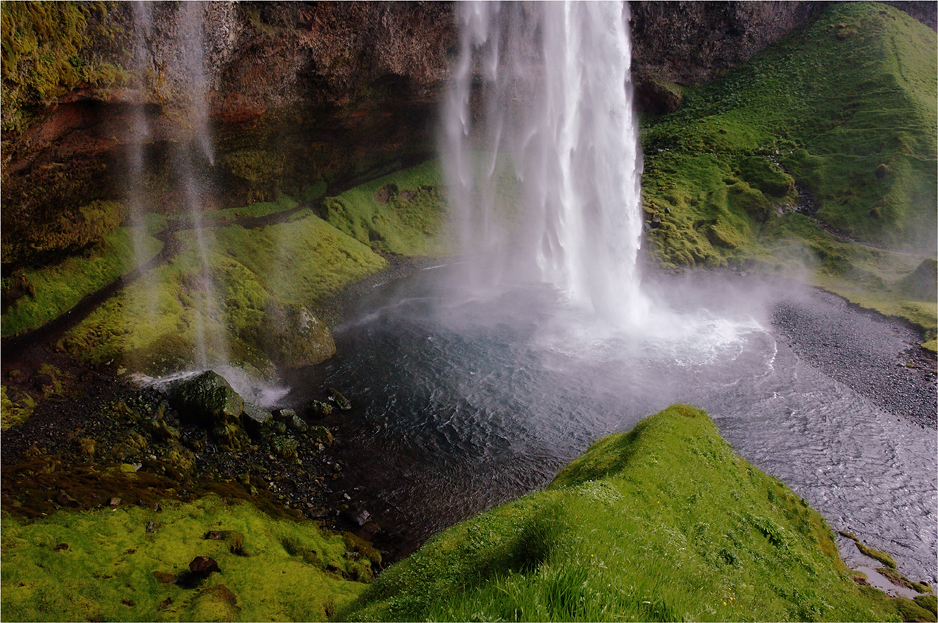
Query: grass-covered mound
(838, 120)
(662, 523)
(132, 564)
(269, 262)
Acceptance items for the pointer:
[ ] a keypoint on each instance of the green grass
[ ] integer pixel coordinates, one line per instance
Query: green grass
(401, 213)
(843, 109)
(284, 570)
(662, 523)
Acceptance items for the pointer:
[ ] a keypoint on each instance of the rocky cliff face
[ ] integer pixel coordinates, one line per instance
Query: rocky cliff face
(296, 93)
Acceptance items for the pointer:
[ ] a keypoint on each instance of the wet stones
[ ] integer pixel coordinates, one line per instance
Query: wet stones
(341, 401)
(206, 399)
(292, 336)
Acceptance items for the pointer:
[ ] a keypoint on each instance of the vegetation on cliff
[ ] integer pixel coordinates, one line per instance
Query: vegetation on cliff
(44, 54)
(833, 127)
(663, 523)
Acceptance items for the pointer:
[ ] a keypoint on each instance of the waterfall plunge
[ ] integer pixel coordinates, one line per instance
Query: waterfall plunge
(542, 159)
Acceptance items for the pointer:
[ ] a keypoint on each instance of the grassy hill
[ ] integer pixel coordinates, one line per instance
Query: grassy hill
(663, 523)
(820, 143)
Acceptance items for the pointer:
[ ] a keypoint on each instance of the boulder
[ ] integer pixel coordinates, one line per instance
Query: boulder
(292, 336)
(206, 399)
(254, 418)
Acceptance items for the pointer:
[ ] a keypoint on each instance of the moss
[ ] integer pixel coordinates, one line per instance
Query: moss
(111, 567)
(402, 213)
(15, 407)
(56, 288)
(43, 50)
(664, 522)
(820, 121)
(152, 323)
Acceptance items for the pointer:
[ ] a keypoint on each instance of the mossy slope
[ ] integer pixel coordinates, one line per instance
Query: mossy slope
(662, 523)
(843, 109)
(401, 213)
(156, 321)
(107, 565)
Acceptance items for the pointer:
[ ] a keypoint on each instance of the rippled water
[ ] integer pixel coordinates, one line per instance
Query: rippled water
(466, 401)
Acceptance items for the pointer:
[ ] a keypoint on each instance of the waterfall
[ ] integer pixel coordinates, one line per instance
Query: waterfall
(178, 74)
(541, 151)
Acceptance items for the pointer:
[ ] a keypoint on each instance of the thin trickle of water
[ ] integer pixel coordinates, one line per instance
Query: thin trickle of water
(192, 155)
(542, 160)
(140, 133)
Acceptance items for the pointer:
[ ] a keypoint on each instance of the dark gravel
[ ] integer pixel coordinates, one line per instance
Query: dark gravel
(877, 357)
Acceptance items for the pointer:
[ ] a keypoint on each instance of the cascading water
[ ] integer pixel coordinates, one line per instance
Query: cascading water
(543, 166)
(195, 144)
(191, 156)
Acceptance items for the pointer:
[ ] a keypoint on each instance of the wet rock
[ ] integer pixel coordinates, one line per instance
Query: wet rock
(341, 401)
(160, 430)
(254, 418)
(291, 420)
(284, 446)
(203, 566)
(358, 515)
(230, 437)
(319, 435)
(206, 399)
(317, 408)
(292, 336)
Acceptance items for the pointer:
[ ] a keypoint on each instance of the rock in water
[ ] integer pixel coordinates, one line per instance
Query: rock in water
(341, 401)
(206, 399)
(292, 336)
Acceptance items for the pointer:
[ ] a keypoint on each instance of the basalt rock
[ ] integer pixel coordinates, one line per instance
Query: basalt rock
(293, 337)
(206, 399)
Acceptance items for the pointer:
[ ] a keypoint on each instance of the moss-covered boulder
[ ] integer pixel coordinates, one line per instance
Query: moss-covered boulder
(292, 336)
(206, 399)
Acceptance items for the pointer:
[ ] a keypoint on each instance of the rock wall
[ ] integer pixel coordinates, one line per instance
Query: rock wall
(296, 92)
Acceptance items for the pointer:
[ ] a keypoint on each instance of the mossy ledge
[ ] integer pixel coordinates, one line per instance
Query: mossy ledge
(663, 523)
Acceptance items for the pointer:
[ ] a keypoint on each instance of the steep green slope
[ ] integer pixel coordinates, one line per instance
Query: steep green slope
(839, 117)
(662, 523)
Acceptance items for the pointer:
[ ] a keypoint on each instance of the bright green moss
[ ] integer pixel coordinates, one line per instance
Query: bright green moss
(153, 324)
(661, 523)
(401, 213)
(56, 288)
(847, 114)
(105, 565)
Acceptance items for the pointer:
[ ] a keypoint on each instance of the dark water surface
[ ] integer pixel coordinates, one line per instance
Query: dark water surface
(465, 400)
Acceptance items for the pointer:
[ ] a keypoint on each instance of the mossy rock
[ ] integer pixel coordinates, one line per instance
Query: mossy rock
(206, 399)
(292, 336)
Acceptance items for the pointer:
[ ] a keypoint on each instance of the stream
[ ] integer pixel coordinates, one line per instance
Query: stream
(466, 399)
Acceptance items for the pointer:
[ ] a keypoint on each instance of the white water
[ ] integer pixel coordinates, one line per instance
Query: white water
(542, 160)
